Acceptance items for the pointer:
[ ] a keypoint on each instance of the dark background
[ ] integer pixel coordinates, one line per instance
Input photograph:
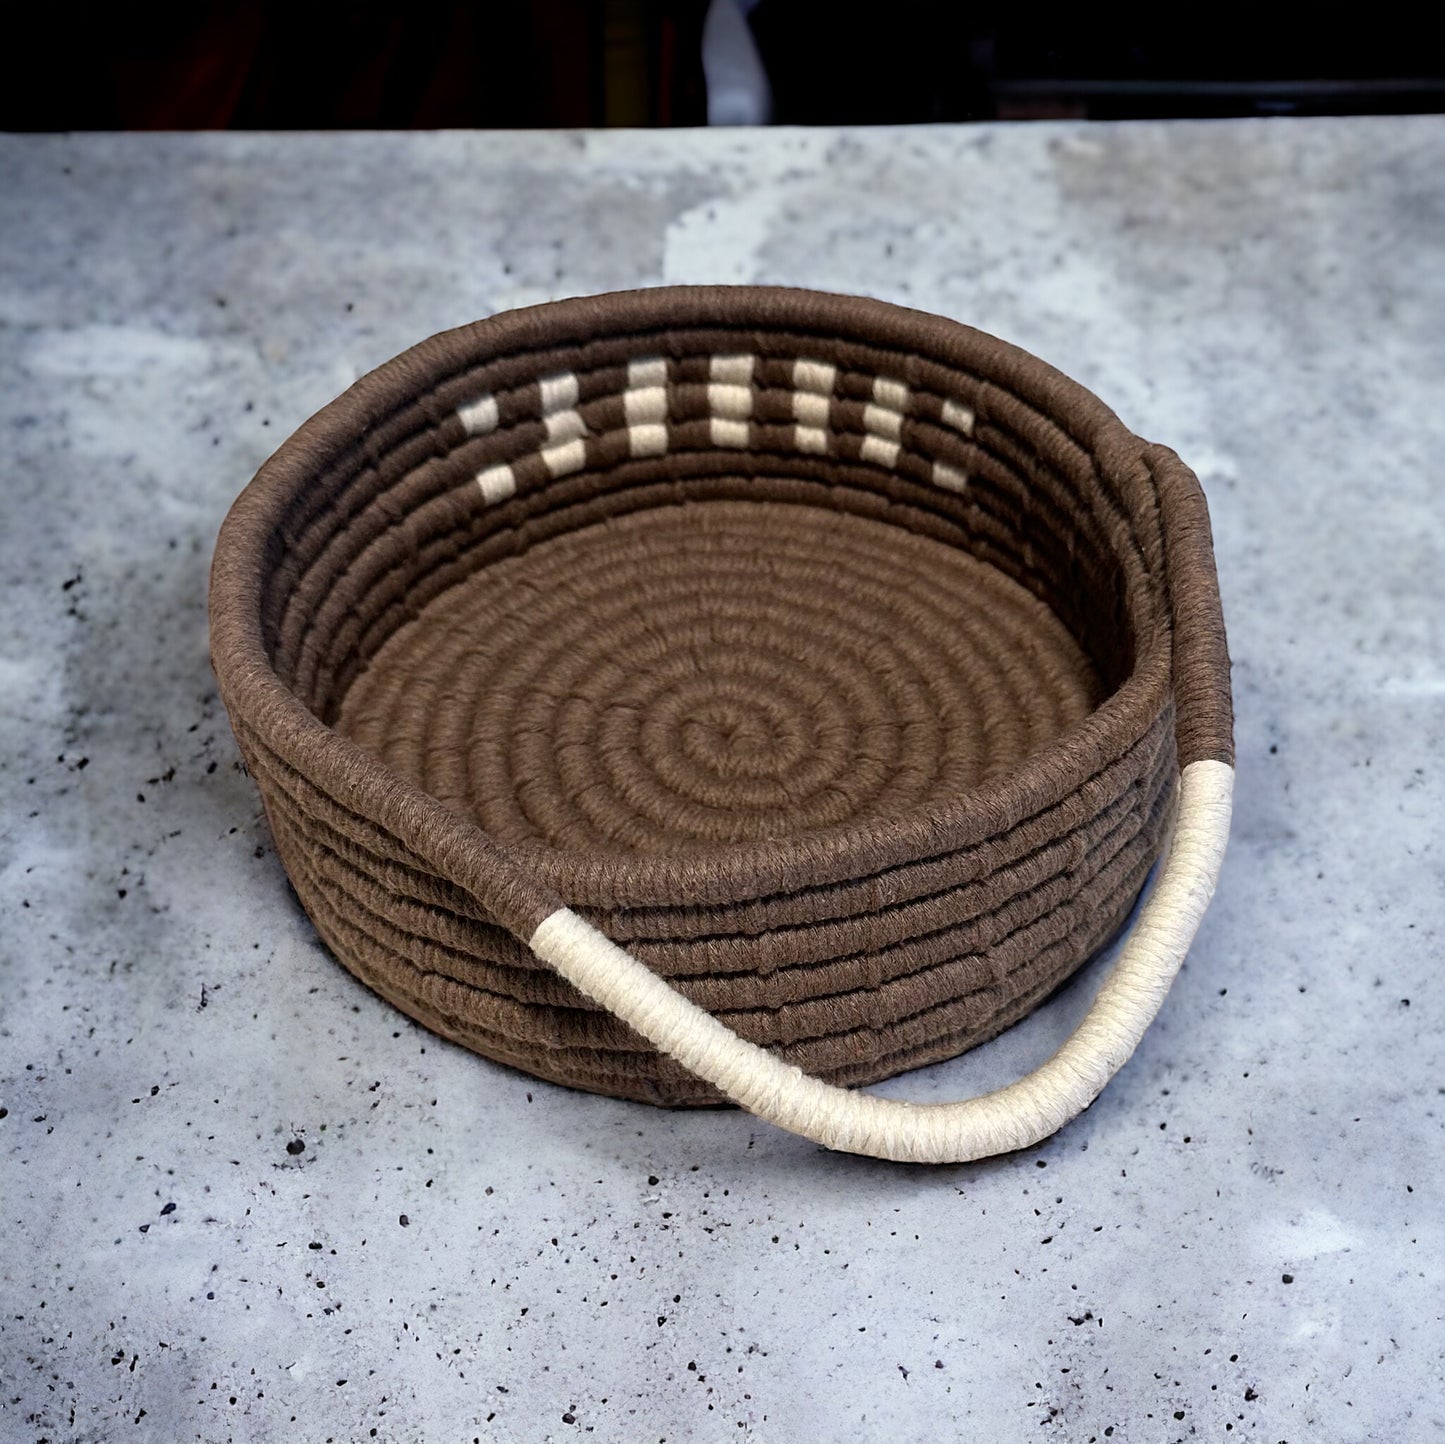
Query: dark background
(528, 63)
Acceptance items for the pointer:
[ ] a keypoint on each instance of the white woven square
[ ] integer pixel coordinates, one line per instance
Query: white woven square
(728, 433)
(890, 393)
(815, 376)
(559, 392)
(733, 402)
(564, 426)
(879, 451)
(810, 408)
(732, 370)
(949, 477)
(883, 421)
(479, 416)
(646, 371)
(497, 483)
(649, 439)
(958, 416)
(811, 438)
(559, 460)
(644, 403)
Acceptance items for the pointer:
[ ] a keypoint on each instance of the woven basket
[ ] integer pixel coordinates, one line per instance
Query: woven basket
(730, 693)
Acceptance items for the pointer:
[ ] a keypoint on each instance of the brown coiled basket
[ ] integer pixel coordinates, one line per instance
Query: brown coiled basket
(728, 692)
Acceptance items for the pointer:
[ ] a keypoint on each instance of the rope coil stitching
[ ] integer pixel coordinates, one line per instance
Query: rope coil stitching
(669, 691)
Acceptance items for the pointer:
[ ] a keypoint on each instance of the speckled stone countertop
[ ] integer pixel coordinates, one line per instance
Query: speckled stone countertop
(242, 1199)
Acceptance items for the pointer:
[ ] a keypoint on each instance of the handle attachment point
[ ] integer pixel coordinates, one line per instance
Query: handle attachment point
(1013, 1117)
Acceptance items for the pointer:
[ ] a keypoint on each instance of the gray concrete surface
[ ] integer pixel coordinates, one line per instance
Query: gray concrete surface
(241, 1199)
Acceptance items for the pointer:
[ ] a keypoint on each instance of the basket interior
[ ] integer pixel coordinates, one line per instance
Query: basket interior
(652, 595)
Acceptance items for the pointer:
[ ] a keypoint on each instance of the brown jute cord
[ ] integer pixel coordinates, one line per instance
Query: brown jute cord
(836, 661)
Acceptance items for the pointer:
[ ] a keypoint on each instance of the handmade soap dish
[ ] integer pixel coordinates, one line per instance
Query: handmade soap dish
(737, 693)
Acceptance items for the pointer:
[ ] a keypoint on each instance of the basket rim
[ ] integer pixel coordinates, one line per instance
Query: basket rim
(721, 872)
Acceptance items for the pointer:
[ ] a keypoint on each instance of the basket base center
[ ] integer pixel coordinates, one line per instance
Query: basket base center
(717, 672)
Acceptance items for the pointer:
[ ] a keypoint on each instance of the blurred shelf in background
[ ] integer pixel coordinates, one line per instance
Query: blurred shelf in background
(563, 63)
(425, 65)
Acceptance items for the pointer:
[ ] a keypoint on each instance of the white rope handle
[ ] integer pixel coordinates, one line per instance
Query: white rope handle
(1017, 1116)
